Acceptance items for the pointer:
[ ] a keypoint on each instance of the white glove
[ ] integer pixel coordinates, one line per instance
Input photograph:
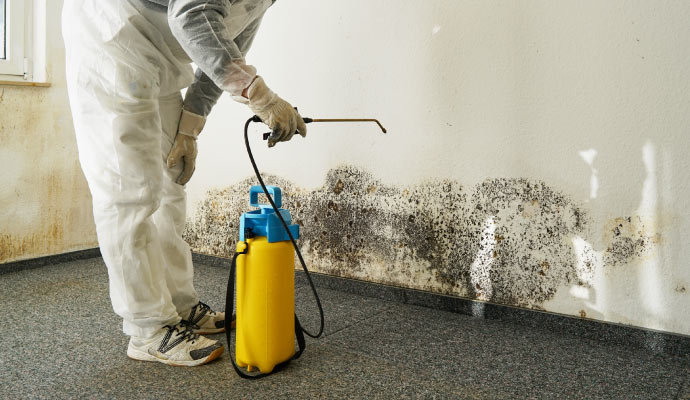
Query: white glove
(184, 147)
(275, 112)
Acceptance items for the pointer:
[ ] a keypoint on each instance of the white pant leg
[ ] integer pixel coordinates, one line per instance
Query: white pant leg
(171, 215)
(118, 66)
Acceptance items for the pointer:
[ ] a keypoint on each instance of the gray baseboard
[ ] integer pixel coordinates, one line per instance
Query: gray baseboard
(21, 265)
(626, 335)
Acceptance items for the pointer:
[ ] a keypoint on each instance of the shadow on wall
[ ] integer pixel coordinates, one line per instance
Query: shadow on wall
(508, 241)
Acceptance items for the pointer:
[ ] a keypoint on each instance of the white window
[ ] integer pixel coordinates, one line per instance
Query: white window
(14, 56)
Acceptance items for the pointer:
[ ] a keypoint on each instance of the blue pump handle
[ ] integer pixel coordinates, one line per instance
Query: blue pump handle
(274, 191)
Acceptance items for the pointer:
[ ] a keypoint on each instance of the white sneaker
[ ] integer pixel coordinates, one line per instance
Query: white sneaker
(205, 321)
(175, 345)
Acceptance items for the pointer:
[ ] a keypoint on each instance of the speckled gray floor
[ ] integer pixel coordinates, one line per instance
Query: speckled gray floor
(60, 339)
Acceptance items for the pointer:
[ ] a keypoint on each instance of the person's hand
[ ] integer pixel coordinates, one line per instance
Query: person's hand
(184, 148)
(275, 112)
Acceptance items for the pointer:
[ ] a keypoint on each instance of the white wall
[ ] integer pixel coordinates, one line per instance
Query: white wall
(536, 155)
(45, 205)
(588, 98)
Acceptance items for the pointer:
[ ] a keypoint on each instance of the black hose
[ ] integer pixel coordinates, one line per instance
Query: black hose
(285, 225)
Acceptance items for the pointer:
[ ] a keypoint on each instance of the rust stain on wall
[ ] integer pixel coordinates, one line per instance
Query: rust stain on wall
(504, 240)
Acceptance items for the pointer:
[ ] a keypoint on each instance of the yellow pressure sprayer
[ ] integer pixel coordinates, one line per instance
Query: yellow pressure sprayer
(264, 268)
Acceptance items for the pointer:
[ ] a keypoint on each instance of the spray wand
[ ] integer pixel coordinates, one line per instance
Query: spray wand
(310, 120)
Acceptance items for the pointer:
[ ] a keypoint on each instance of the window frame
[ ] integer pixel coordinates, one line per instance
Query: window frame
(16, 46)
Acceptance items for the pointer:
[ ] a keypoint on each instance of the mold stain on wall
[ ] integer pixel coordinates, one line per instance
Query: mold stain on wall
(45, 200)
(628, 238)
(507, 241)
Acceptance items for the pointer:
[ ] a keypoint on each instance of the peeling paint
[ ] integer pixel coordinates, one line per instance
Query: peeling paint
(510, 241)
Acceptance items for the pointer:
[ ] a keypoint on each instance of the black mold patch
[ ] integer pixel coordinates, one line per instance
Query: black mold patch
(628, 239)
(532, 253)
(509, 241)
(215, 226)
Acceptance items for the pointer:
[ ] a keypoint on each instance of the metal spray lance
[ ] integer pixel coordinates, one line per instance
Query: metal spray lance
(310, 120)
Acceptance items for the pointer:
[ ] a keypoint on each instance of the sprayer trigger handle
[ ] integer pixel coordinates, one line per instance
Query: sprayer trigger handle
(266, 135)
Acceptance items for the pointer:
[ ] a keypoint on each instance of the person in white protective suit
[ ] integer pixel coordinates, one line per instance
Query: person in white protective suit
(127, 61)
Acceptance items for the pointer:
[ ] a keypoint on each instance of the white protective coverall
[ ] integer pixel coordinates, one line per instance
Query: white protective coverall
(125, 70)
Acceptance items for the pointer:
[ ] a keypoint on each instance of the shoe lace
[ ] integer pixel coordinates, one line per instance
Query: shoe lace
(197, 313)
(184, 330)
(203, 307)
